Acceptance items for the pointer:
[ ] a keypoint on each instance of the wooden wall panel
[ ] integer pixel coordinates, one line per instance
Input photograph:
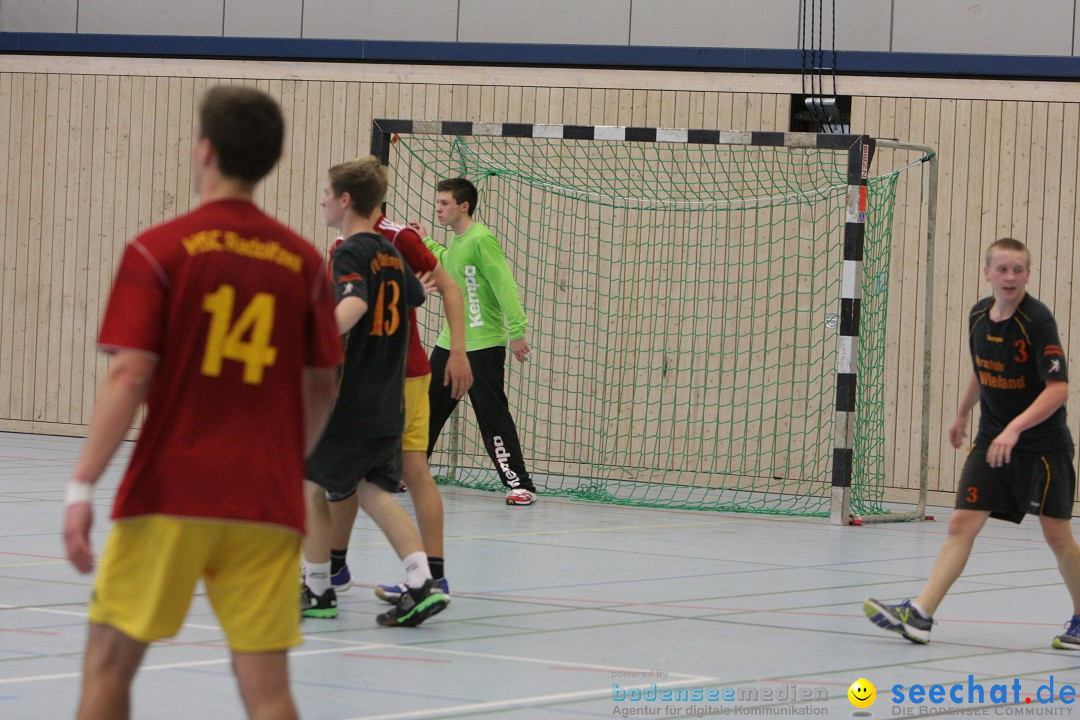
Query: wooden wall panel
(10, 86)
(95, 150)
(1008, 168)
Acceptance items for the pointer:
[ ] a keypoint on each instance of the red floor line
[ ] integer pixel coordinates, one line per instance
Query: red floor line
(718, 608)
(47, 557)
(191, 644)
(30, 632)
(47, 460)
(399, 659)
(781, 681)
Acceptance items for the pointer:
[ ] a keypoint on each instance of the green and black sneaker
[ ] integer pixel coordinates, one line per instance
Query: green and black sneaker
(318, 606)
(902, 618)
(415, 606)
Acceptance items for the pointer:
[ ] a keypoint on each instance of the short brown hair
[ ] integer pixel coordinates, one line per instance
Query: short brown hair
(1008, 243)
(365, 181)
(245, 128)
(462, 190)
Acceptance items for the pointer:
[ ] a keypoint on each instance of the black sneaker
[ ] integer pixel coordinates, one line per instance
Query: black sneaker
(1070, 639)
(902, 618)
(415, 606)
(393, 593)
(318, 606)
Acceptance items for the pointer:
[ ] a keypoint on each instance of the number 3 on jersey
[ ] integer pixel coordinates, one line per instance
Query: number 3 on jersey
(225, 339)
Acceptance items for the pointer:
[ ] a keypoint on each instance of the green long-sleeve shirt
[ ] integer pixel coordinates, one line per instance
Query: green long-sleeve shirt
(492, 306)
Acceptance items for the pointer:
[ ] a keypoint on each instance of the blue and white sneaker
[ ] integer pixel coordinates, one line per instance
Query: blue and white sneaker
(1070, 639)
(902, 618)
(392, 593)
(341, 580)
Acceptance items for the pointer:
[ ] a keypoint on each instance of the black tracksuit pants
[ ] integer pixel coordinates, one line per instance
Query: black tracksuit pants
(491, 408)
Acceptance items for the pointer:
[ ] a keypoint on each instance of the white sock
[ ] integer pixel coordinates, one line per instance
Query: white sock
(919, 609)
(318, 577)
(417, 571)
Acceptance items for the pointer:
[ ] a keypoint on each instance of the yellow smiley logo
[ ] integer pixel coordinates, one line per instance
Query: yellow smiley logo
(862, 693)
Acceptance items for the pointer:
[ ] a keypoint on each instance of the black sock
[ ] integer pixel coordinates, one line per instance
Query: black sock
(436, 564)
(337, 560)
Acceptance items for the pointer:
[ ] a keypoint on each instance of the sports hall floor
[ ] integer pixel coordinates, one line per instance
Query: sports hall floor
(556, 603)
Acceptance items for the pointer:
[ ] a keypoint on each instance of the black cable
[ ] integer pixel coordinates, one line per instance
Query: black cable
(802, 42)
(836, 98)
(814, 73)
(812, 57)
(834, 48)
(826, 121)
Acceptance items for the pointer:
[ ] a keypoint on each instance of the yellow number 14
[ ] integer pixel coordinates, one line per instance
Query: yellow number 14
(225, 341)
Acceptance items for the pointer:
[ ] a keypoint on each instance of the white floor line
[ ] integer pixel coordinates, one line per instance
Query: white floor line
(190, 663)
(546, 661)
(520, 702)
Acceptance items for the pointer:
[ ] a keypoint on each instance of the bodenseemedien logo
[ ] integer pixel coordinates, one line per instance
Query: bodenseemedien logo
(672, 699)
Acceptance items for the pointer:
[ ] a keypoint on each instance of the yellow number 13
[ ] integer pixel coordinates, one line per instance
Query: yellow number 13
(225, 339)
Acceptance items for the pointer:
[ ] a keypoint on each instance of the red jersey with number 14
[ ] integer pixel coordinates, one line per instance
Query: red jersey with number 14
(234, 305)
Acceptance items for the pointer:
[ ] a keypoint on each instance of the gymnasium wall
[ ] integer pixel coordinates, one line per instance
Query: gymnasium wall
(96, 149)
(1045, 27)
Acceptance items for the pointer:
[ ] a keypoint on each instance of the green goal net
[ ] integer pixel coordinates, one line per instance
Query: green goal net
(684, 305)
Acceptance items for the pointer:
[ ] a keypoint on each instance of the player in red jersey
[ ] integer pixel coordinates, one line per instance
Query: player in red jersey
(415, 471)
(223, 321)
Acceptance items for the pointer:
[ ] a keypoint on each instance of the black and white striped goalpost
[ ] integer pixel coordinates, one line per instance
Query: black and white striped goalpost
(860, 152)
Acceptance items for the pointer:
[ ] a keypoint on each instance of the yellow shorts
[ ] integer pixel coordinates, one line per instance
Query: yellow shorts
(152, 563)
(417, 414)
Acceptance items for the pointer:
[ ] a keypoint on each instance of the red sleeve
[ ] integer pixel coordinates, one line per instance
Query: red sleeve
(330, 257)
(412, 248)
(323, 341)
(135, 315)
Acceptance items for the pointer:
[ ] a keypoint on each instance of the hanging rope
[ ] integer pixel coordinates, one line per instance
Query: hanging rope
(812, 51)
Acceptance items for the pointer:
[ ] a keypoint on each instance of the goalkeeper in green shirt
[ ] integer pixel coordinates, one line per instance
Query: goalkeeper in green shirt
(493, 316)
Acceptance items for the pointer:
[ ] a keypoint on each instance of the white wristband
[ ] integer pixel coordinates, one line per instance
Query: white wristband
(78, 492)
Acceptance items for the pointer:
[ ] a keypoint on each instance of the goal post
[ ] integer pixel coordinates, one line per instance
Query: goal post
(927, 155)
(708, 333)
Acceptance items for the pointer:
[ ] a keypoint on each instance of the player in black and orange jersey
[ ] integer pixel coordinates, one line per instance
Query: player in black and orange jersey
(1022, 458)
(223, 320)
(361, 451)
(416, 475)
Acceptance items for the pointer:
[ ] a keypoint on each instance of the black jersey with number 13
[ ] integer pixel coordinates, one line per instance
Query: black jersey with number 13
(370, 398)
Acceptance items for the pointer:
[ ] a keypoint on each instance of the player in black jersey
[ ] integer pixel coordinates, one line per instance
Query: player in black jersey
(360, 452)
(1021, 461)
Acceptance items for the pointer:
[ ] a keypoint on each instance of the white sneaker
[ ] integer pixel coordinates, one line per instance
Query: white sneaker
(519, 496)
